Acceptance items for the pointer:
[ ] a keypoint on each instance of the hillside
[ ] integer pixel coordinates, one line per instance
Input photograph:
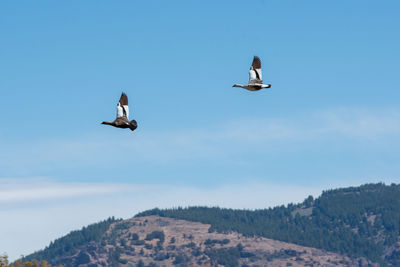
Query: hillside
(356, 226)
(158, 241)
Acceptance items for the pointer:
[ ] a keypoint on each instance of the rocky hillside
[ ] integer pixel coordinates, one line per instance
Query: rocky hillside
(158, 241)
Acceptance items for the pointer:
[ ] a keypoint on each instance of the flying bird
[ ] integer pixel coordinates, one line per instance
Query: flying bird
(122, 120)
(255, 81)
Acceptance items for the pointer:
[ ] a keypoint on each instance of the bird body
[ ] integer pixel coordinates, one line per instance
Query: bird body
(122, 120)
(253, 87)
(255, 77)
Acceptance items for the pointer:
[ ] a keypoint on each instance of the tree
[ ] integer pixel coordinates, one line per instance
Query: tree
(3, 260)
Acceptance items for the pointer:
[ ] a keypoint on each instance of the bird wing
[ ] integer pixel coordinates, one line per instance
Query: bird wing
(123, 100)
(256, 63)
(255, 71)
(122, 107)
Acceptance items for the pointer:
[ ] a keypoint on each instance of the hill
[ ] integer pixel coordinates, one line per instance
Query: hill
(158, 241)
(355, 226)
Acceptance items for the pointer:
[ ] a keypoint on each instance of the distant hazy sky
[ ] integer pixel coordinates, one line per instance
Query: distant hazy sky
(331, 118)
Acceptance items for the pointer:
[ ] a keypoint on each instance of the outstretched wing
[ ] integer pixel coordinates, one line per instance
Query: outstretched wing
(122, 107)
(123, 100)
(255, 71)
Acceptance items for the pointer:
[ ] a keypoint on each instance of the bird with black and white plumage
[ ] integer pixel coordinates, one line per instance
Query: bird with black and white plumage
(255, 80)
(122, 120)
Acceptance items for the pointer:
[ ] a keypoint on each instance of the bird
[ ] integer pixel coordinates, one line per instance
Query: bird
(255, 80)
(122, 120)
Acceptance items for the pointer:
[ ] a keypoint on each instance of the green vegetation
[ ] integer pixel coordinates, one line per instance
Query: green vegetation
(3, 260)
(180, 259)
(134, 236)
(227, 256)
(211, 242)
(138, 242)
(68, 244)
(224, 256)
(357, 221)
(156, 235)
(23, 262)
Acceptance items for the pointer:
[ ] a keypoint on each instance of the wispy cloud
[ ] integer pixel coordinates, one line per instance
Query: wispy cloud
(254, 194)
(28, 190)
(360, 123)
(345, 122)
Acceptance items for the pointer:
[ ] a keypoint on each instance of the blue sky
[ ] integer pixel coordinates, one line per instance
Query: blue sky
(331, 118)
